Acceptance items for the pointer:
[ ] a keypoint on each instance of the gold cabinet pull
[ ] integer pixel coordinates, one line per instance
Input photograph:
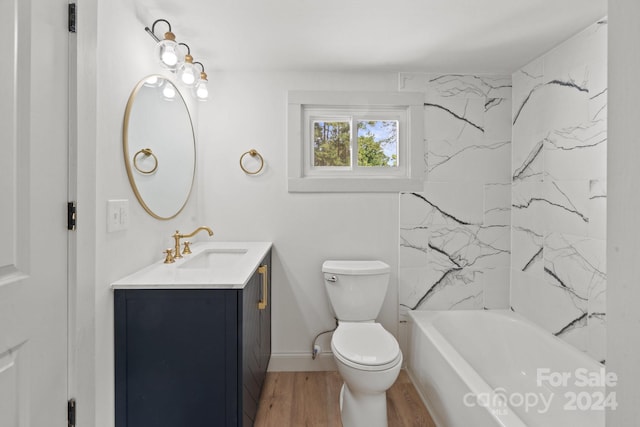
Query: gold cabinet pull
(262, 304)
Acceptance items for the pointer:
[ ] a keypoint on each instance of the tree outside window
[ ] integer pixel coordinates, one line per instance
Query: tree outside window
(378, 143)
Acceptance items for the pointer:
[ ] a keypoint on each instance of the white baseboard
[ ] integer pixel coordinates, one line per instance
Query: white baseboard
(301, 362)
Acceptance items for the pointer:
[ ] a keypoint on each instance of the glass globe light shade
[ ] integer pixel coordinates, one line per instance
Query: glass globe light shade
(168, 91)
(188, 73)
(167, 52)
(202, 91)
(152, 81)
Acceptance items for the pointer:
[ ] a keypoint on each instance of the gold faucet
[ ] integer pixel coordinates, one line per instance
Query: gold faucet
(177, 236)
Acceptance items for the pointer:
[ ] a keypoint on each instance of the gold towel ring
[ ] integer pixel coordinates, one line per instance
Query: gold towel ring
(252, 153)
(147, 152)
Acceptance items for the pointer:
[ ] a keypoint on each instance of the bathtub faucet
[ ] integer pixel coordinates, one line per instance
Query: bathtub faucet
(177, 236)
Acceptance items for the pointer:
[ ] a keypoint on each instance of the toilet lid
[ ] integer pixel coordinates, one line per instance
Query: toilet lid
(365, 344)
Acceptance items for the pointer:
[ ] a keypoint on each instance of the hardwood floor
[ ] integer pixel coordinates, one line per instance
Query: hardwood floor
(311, 399)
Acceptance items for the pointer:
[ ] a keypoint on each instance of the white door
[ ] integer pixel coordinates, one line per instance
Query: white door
(33, 235)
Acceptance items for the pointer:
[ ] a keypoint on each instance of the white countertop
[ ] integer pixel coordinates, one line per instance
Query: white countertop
(212, 265)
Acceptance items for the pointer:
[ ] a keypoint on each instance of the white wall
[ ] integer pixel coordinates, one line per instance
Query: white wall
(249, 110)
(623, 247)
(125, 55)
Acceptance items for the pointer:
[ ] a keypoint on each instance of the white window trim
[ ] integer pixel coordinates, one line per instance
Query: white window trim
(304, 179)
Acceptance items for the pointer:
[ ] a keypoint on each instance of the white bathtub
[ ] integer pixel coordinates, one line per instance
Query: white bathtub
(495, 368)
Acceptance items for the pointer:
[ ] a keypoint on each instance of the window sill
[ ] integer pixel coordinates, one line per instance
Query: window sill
(354, 185)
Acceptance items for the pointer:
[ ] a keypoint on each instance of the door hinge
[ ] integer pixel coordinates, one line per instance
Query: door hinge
(71, 215)
(71, 413)
(72, 17)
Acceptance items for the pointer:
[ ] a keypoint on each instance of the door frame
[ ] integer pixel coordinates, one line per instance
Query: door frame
(82, 188)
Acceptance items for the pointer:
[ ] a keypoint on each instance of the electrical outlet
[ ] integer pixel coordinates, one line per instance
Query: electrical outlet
(117, 215)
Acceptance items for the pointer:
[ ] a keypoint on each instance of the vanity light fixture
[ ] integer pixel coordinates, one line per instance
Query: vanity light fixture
(202, 91)
(170, 57)
(188, 73)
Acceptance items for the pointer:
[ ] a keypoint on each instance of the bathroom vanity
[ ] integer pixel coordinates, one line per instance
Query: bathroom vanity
(193, 338)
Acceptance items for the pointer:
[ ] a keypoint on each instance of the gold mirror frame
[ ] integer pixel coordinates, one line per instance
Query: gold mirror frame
(147, 135)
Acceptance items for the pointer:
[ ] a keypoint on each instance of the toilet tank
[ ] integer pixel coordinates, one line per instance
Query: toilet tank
(356, 289)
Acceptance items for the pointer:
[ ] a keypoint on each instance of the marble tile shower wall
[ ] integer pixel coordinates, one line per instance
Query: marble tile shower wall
(513, 211)
(455, 235)
(558, 259)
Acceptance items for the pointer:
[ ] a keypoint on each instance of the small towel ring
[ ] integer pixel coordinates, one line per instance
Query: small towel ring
(147, 152)
(252, 153)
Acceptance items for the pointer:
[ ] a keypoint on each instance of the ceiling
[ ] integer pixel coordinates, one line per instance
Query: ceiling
(462, 36)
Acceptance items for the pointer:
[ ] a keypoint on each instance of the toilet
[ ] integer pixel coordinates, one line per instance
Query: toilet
(367, 355)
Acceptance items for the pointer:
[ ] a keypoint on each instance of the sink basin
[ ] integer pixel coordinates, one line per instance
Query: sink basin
(215, 258)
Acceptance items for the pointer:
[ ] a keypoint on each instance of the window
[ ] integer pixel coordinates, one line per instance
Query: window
(355, 142)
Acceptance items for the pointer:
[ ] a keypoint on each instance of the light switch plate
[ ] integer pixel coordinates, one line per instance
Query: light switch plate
(117, 215)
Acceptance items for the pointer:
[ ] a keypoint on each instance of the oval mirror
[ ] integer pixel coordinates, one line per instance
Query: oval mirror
(159, 147)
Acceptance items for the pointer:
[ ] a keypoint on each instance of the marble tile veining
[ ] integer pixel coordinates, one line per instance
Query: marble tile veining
(513, 210)
(454, 235)
(558, 258)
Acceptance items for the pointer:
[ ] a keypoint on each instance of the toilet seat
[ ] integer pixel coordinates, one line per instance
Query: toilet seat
(365, 346)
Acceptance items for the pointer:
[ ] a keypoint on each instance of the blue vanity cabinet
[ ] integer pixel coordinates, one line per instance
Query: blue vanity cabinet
(192, 357)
